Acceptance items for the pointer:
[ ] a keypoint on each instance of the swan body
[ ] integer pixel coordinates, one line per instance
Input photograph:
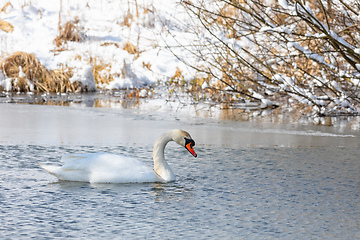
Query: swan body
(112, 168)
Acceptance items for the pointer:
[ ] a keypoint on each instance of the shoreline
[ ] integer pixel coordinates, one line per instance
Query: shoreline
(129, 99)
(79, 124)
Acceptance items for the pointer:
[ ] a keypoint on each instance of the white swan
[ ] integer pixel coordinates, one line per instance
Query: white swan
(112, 168)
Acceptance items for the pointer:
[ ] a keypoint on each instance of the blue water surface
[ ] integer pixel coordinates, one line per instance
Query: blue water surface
(225, 193)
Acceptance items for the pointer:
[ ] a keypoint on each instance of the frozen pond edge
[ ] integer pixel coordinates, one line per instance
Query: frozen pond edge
(57, 125)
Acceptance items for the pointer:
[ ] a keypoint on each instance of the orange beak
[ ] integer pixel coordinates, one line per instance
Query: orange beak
(190, 149)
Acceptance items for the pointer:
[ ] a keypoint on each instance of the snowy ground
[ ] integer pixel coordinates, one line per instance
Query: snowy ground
(106, 26)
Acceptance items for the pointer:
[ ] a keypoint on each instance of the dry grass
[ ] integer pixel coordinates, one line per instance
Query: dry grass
(3, 9)
(101, 71)
(69, 32)
(5, 26)
(33, 72)
(130, 48)
(28, 62)
(147, 65)
(110, 43)
(128, 18)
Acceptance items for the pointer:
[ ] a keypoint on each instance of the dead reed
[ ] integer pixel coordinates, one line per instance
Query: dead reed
(28, 74)
(69, 32)
(6, 6)
(130, 48)
(5, 26)
(101, 71)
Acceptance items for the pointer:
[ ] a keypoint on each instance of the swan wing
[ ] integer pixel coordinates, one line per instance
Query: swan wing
(102, 167)
(100, 162)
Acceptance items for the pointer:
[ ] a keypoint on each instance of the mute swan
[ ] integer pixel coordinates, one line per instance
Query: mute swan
(112, 168)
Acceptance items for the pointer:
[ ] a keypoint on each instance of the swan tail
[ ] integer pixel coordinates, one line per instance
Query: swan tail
(50, 169)
(66, 174)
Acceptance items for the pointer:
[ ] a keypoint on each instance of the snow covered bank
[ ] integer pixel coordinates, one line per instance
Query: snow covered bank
(106, 32)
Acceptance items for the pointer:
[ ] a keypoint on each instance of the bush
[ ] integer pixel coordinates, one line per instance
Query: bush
(302, 50)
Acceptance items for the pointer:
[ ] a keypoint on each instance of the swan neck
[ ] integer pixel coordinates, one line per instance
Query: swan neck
(161, 167)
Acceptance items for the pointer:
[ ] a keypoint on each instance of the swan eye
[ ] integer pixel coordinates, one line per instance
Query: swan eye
(187, 141)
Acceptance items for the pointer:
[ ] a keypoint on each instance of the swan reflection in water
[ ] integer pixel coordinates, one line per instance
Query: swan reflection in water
(160, 192)
(164, 192)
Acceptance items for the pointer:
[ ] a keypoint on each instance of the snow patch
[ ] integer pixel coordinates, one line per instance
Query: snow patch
(5, 83)
(83, 74)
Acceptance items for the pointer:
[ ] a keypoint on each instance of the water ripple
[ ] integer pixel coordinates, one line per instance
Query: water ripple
(226, 193)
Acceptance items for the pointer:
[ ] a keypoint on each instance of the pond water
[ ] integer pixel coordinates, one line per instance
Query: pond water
(249, 181)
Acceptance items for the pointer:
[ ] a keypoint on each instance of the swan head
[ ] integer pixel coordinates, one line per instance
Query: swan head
(184, 139)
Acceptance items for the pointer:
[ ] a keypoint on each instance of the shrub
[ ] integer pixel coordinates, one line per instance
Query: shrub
(265, 50)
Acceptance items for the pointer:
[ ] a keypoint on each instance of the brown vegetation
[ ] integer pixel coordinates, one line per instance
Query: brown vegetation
(307, 52)
(6, 6)
(130, 48)
(26, 71)
(5, 26)
(69, 32)
(101, 71)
